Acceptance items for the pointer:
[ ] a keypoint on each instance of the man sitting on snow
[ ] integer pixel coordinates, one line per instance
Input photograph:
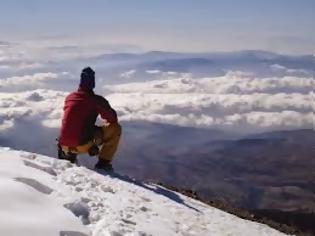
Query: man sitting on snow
(79, 134)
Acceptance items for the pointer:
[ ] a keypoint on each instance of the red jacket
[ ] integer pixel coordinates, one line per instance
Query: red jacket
(80, 112)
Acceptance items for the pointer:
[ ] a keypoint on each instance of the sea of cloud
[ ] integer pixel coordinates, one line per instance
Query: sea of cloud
(32, 99)
(233, 101)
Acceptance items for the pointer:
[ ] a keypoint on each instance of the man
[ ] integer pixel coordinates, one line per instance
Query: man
(79, 133)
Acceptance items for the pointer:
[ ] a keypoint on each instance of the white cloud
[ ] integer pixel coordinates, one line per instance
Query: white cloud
(277, 67)
(52, 123)
(39, 106)
(128, 74)
(6, 124)
(257, 111)
(288, 71)
(4, 44)
(36, 81)
(233, 102)
(153, 71)
(171, 73)
(168, 74)
(228, 84)
(26, 82)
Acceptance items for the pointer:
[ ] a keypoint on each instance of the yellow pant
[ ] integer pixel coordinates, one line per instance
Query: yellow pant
(107, 136)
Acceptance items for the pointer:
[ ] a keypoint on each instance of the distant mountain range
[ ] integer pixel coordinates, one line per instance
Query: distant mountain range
(110, 67)
(260, 63)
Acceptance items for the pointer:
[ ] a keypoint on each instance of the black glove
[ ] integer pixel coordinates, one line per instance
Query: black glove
(94, 150)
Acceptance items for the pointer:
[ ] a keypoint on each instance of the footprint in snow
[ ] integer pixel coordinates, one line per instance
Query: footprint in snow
(144, 209)
(71, 233)
(46, 169)
(145, 199)
(81, 210)
(29, 156)
(107, 189)
(34, 184)
(128, 222)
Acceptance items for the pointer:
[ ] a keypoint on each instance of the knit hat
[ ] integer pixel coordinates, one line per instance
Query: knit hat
(87, 78)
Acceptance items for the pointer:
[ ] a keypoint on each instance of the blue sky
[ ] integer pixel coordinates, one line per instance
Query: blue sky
(196, 25)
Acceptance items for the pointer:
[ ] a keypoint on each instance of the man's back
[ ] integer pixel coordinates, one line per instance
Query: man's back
(80, 112)
(78, 132)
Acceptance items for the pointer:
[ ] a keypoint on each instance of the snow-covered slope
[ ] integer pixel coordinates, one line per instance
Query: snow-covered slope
(40, 196)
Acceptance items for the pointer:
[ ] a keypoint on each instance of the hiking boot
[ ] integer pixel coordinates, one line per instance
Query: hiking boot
(72, 157)
(104, 165)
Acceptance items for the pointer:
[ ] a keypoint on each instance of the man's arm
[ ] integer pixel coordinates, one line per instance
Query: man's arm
(105, 110)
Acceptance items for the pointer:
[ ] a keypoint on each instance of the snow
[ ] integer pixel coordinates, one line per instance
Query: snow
(45, 196)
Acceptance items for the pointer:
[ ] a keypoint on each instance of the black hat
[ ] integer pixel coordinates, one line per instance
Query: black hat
(87, 78)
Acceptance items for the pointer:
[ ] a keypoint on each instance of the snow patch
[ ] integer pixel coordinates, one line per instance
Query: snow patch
(75, 201)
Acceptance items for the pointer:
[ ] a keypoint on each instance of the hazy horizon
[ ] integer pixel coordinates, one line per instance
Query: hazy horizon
(185, 26)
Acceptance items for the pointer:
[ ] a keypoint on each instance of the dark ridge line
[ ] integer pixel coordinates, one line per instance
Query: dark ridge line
(242, 213)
